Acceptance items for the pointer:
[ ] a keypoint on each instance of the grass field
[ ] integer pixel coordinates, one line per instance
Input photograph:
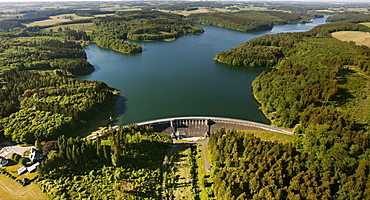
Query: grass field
(11, 190)
(13, 167)
(103, 15)
(358, 86)
(88, 27)
(366, 24)
(272, 136)
(56, 19)
(360, 38)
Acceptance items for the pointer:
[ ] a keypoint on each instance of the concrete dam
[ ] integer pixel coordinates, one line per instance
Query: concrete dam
(193, 127)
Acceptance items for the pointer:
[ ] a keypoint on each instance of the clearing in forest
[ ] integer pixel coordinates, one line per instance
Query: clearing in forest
(182, 164)
(78, 26)
(56, 19)
(360, 38)
(270, 136)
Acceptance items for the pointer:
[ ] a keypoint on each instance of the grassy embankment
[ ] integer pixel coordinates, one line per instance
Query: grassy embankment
(12, 168)
(271, 136)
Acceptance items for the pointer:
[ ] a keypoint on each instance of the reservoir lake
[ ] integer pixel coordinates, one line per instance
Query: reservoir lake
(180, 78)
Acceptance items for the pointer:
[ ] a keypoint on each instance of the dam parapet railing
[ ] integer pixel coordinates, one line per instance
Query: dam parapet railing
(199, 125)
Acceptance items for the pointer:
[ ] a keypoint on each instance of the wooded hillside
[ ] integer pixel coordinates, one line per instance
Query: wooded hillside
(248, 20)
(38, 98)
(319, 87)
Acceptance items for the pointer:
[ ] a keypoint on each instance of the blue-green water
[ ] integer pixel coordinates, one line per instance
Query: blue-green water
(180, 78)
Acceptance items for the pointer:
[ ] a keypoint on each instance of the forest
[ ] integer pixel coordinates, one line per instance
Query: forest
(349, 16)
(323, 166)
(39, 98)
(122, 164)
(249, 20)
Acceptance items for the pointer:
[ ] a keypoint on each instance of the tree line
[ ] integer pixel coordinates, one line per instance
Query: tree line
(245, 167)
(348, 16)
(248, 20)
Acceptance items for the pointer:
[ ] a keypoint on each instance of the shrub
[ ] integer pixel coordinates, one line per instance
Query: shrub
(23, 161)
(26, 153)
(15, 157)
(38, 145)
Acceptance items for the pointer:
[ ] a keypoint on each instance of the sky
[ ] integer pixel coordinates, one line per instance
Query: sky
(348, 1)
(325, 1)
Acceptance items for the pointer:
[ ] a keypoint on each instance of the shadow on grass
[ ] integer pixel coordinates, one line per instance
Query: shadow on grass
(145, 154)
(342, 96)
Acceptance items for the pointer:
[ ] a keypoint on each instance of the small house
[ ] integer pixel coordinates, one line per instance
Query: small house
(35, 155)
(33, 167)
(3, 161)
(22, 170)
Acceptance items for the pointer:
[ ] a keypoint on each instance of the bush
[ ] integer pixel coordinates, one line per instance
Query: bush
(15, 157)
(38, 145)
(26, 153)
(23, 161)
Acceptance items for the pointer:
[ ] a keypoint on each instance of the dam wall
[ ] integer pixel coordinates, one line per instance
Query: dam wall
(183, 127)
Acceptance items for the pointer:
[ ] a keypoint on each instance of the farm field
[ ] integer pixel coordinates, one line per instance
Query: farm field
(11, 190)
(360, 38)
(56, 19)
(366, 24)
(80, 26)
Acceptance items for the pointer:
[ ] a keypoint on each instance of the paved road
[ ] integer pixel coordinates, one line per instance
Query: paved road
(207, 165)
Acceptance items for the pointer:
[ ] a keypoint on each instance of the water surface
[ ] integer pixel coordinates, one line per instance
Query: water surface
(180, 78)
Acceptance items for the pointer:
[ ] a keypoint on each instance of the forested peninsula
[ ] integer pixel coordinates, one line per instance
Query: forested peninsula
(112, 32)
(249, 20)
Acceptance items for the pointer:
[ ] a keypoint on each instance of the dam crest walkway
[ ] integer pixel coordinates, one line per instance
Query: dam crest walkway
(198, 126)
